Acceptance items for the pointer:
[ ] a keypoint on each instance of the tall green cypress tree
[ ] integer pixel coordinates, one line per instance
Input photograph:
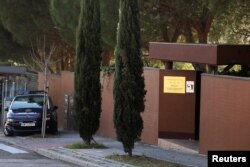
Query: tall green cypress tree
(129, 84)
(87, 72)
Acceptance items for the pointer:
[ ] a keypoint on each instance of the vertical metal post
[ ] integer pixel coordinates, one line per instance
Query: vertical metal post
(168, 65)
(4, 95)
(25, 86)
(17, 86)
(3, 112)
(12, 91)
(68, 114)
(6, 88)
(45, 103)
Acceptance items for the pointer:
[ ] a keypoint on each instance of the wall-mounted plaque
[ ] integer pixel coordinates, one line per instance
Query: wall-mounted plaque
(174, 84)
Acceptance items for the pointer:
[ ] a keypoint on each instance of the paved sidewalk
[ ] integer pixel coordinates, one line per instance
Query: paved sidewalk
(53, 147)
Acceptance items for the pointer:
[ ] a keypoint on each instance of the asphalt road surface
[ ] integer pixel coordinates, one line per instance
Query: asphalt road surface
(12, 156)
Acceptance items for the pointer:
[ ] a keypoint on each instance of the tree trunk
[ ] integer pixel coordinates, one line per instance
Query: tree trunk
(176, 34)
(202, 26)
(164, 32)
(203, 37)
(106, 57)
(188, 32)
(129, 151)
(87, 142)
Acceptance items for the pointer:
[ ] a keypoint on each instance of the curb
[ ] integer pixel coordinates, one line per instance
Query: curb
(66, 158)
(79, 159)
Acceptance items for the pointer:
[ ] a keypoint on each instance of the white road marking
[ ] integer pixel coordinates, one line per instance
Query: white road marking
(11, 150)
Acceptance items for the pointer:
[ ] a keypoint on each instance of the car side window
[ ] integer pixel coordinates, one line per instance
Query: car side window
(50, 104)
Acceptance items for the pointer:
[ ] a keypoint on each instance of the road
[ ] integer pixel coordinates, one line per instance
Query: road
(13, 156)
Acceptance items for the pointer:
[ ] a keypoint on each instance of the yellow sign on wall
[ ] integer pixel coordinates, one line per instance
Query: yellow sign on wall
(174, 84)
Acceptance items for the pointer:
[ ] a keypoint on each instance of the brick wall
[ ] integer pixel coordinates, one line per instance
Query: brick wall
(150, 115)
(224, 119)
(106, 121)
(64, 84)
(225, 113)
(59, 85)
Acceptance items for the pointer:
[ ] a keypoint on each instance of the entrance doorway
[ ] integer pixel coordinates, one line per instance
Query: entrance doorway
(179, 104)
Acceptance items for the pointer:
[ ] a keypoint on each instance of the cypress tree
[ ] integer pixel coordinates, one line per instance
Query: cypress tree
(87, 70)
(129, 84)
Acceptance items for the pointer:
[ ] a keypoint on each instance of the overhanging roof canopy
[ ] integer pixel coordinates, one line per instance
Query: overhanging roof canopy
(12, 70)
(213, 54)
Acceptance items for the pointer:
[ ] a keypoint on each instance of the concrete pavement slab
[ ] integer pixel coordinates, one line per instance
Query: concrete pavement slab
(53, 147)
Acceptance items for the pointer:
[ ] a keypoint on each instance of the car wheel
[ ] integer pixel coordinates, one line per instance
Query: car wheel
(7, 132)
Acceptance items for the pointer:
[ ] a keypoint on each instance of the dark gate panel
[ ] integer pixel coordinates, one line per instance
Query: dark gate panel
(179, 104)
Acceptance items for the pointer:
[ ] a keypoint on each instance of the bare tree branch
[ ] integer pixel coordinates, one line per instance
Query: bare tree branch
(41, 57)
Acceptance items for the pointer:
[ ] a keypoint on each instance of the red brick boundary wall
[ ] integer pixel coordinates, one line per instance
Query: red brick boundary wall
(59, 85)
(225, 113)
(150, 115)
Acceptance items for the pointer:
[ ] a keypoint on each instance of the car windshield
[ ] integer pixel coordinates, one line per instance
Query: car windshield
(34, 101)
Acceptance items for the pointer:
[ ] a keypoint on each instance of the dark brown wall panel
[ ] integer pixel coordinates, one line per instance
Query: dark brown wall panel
(177, 111)
(213, 54)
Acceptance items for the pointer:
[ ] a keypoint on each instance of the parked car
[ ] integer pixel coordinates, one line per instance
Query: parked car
(25, 114)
